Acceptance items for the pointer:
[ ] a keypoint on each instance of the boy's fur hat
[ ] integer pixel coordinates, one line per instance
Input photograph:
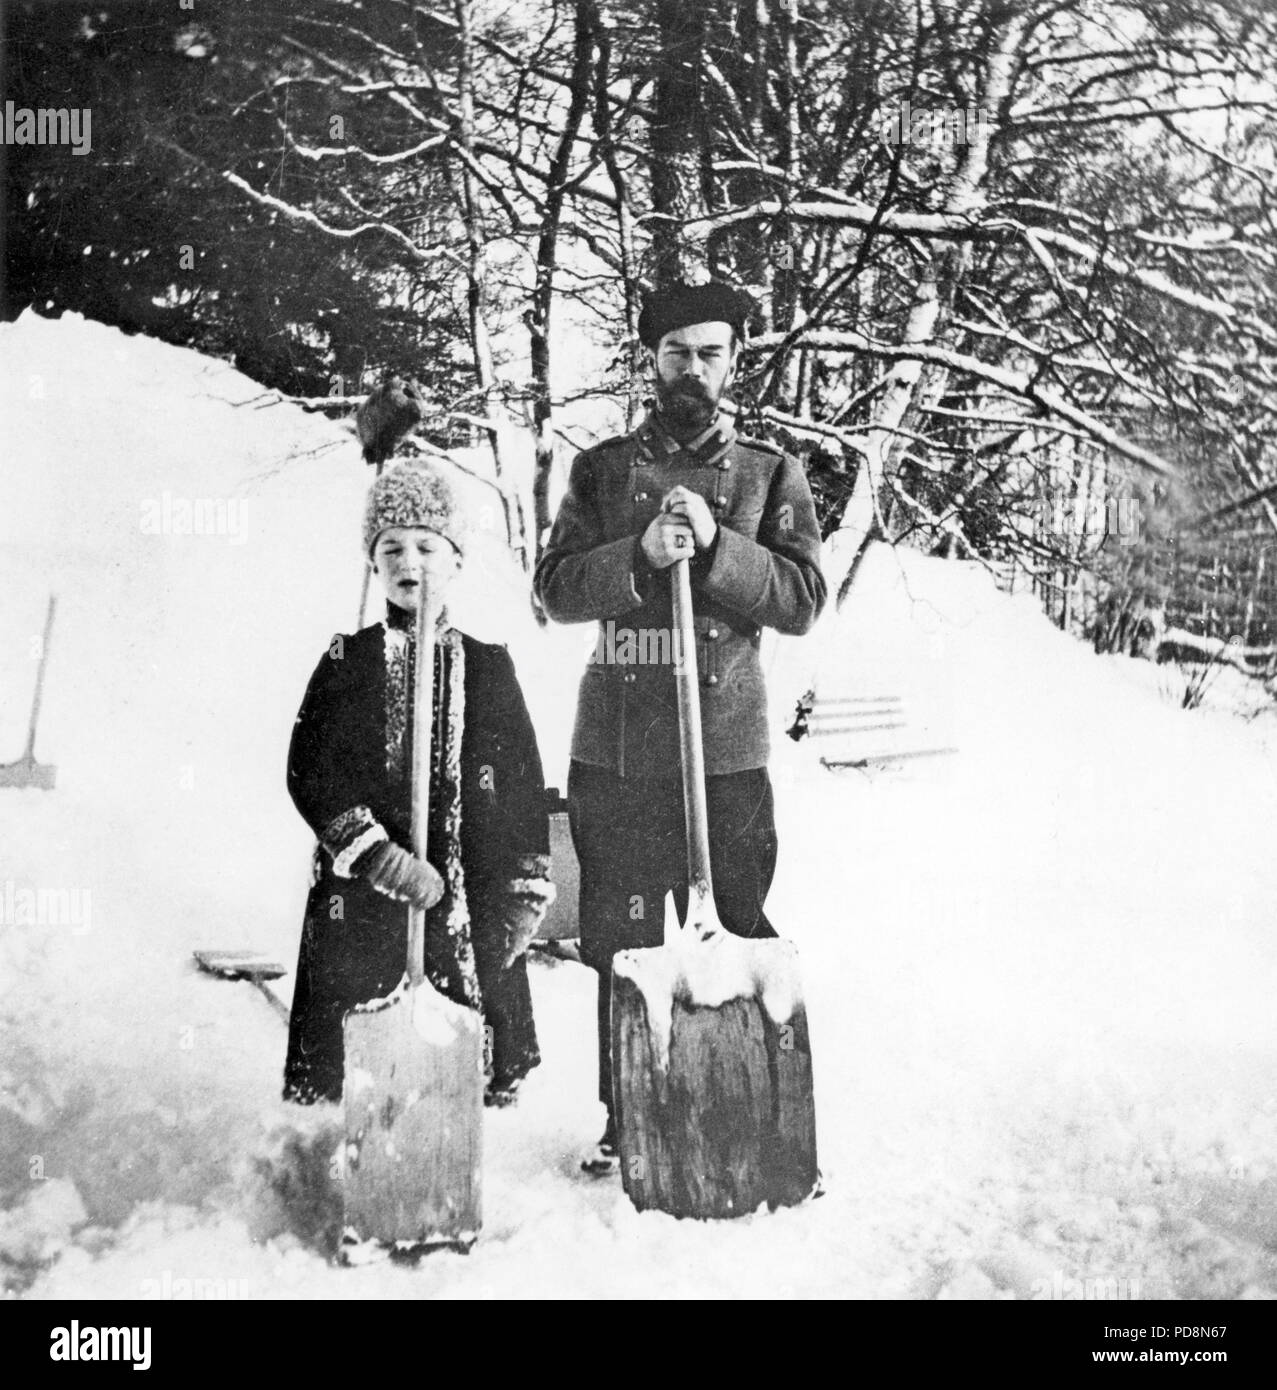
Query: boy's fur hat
(414, 493)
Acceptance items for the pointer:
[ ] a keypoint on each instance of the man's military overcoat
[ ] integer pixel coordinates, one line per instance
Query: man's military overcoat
(763, 570)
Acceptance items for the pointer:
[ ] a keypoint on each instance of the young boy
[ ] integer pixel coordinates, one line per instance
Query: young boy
(486, 886)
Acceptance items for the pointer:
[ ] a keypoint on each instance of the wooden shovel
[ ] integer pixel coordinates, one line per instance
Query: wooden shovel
(711, 1061)
(258, 969)
(413, 1092)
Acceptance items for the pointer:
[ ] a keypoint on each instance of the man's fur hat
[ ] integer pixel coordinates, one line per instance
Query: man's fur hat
(680, 305)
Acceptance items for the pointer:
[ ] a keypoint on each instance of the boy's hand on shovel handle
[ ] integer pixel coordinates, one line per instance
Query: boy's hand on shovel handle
(404, 877)
(524, 913)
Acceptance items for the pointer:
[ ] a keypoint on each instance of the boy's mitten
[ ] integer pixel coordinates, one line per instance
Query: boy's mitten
(398, 874)
(526, 903)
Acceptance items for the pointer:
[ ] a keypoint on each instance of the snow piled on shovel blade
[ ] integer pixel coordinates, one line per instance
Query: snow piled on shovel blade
(706, 974)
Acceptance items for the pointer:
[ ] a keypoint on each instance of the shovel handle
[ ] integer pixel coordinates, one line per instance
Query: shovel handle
(39, 678)
(691, 750)
(363, 590)
(422, 737)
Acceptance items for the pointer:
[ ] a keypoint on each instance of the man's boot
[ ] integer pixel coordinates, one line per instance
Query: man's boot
(604, 1159)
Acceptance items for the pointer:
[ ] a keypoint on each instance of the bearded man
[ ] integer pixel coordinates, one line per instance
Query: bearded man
(684, 484)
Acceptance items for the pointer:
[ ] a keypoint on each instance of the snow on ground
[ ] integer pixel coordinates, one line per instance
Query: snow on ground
(1039, 970)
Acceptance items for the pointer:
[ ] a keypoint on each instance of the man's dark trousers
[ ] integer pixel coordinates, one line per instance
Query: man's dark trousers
(630, 839)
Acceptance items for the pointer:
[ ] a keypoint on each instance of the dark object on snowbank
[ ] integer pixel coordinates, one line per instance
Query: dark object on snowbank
(26, 772)
(391, 411)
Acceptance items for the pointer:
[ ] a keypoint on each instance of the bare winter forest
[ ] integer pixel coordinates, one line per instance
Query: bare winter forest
(1015, 258)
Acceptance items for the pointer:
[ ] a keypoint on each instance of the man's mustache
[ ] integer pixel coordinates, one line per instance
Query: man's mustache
(690, 395)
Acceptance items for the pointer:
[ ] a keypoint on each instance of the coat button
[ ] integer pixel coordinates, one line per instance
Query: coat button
(640, 496)
(629, 678)
(713, 680)
(713, 632)
(721, 501)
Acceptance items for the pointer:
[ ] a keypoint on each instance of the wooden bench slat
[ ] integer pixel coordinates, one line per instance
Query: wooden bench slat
(878, 759)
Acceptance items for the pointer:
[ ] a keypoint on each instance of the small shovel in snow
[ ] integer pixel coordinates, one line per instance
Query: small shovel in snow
(26, 772)
(253, 966)
(711, 1058)
(413, 1091)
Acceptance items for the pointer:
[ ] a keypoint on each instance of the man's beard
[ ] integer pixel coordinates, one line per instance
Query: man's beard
(686, 405)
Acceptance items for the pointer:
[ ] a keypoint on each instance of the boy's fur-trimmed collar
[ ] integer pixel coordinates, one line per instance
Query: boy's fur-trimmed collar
(405, 620)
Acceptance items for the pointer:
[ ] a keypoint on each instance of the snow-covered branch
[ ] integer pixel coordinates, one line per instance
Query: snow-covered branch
(1021, 384)
(304, 217)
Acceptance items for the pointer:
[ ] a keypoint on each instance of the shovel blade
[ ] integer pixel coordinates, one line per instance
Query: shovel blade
(413, 1099)
(26, 772)
(712, 1077)
(240, 965)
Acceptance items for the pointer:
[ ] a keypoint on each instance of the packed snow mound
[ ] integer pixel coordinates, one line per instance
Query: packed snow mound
(204, 539)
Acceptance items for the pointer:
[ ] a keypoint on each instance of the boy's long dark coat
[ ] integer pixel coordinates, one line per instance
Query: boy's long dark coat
(354, 939)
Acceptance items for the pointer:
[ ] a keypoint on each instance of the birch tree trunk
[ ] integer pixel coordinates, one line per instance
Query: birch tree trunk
(604, 129)
(538, 317)
(907, 381)
(495, 415)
